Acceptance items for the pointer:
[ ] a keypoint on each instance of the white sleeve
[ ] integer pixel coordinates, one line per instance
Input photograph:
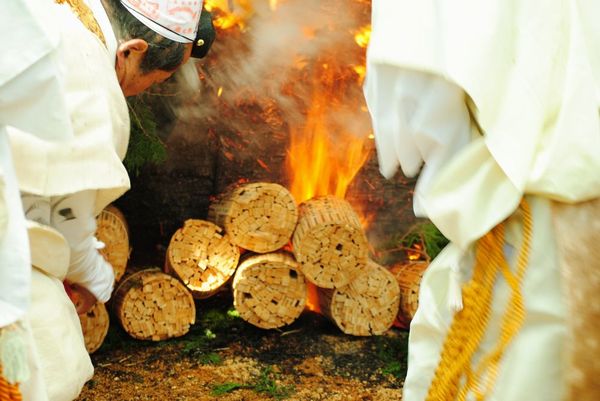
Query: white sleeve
(15, 264)
(418, 117)
(73, 216)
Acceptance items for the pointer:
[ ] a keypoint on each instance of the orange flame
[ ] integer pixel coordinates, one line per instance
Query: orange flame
(228, 14)
(416, 253)
(362, 36)
(321, 160)
(321, 163)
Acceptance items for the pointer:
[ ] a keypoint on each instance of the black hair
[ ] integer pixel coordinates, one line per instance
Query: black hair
(162, 54)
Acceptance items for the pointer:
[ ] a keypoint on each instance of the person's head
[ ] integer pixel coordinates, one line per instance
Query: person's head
(144, 56)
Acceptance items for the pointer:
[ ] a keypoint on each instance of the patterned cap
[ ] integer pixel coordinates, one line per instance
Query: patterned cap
(174, 19)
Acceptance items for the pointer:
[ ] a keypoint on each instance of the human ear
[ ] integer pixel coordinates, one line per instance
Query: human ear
(132, 47)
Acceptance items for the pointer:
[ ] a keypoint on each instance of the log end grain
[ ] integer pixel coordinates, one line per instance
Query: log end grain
(269, 290)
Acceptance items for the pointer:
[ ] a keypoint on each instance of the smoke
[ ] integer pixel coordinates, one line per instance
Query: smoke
(267, 71)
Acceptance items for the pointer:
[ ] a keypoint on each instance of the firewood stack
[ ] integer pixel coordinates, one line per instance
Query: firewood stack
(151, 305)
(330, 250)
(94, 325)
(202, 257)
(269, 285)
(112, 230)
(329, 242)
(259, 217)
(268, 290)
(366, 306)
(148, 304)
(409, 277)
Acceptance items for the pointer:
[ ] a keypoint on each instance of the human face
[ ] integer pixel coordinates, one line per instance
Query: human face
(132, 79)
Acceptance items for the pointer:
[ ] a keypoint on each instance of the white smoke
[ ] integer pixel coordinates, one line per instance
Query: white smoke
(262, 62)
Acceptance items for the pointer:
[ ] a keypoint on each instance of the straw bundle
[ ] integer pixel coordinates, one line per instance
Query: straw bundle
(112, 230)
(409, 278)
(329, 242)
(259, 217)
(367, 306)
(202, 257)
(268, 290)
(94, 325)
(151, 305)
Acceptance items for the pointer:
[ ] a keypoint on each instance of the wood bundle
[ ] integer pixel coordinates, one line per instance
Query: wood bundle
(151, 305)
(329, 242)
(94, 325)
(259, 217)
(112, 230)
(366, 306)
(409, 277)
(202, 257)
(269, 291)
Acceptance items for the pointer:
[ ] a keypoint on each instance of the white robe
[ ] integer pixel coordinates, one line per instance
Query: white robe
(31, 84)
(532, 70)
(89, 162)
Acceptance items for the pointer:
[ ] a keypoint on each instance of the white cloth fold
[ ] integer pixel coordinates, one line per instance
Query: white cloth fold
(91, 159)
(15, 271)
(73, 216)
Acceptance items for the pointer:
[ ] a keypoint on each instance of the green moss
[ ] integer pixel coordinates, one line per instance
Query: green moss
(265, 383)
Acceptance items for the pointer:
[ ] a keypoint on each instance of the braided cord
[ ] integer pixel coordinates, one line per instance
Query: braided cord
(455, 376)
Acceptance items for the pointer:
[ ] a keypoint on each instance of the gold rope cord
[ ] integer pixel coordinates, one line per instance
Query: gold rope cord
(455, 376)
(8, 392)
(86, 16)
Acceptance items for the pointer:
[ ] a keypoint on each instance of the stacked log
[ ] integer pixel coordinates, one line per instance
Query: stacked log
(329, 242)
(152, 305)
(112, 230)
(94, 325)
(269, 290)
(368, 305)
(259, 217)
(409, 278)
(202, 257)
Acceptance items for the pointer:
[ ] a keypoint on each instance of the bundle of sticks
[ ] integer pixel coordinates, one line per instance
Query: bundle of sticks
(258, 243)
(328, 249)
(149, 304)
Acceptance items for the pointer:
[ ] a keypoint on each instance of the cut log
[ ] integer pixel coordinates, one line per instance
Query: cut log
(112, 230)
(202, 257)
(94, 325)
(269, 291)
(366, 306)
(329, 242)
(259, 217)
(409, 277)
(151, 305)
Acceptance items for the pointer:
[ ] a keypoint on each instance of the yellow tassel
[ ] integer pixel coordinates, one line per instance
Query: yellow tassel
(455, 377)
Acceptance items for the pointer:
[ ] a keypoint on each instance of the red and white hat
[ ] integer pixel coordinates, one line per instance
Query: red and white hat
(174, 19)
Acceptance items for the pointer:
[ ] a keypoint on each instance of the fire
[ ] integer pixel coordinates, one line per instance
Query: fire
(362, 36)
(415, 253)
(321, 162)
(228, 14)
(323, 159)
(361, 71)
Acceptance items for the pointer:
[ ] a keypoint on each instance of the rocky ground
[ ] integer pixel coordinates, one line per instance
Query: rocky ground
(225, 358)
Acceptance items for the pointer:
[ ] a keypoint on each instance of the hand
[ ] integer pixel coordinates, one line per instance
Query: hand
(82, 298)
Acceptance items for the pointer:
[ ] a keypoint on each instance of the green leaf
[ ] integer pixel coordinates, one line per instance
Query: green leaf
(145, 146)
(225, 388)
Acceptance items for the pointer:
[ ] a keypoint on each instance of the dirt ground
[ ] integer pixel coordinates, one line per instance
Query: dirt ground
(224, 358)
